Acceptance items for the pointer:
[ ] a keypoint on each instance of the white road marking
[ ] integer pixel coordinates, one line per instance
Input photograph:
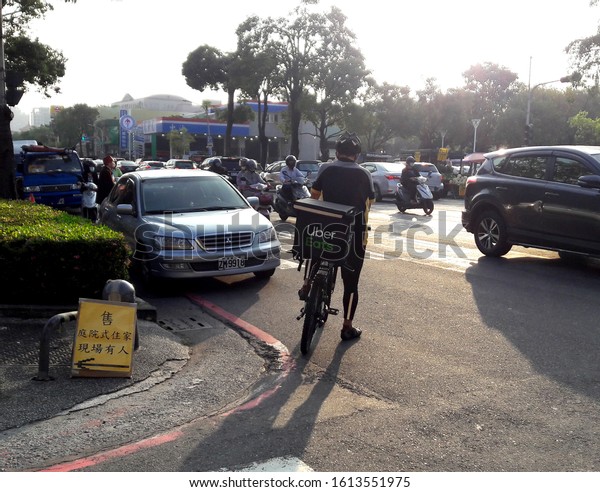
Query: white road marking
(287, 464)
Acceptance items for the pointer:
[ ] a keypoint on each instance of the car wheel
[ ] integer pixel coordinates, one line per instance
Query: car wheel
(378, 195)
(264, 273)
(490, 234)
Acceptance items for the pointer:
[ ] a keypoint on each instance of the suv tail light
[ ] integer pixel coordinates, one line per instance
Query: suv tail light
(391, 177)
(471, 179)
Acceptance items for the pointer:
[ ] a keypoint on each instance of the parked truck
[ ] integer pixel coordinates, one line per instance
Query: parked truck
(49, 175)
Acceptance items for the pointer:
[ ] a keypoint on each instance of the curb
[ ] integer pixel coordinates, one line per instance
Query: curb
(145, 310)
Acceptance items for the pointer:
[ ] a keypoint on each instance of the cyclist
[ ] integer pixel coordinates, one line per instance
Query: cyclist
(345, 182)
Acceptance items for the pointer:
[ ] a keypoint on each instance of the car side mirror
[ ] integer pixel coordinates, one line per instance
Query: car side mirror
(589, 181)
(125, 209)
(253, 201)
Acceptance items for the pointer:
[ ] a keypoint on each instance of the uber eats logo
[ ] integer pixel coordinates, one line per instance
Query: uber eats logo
(328, 239)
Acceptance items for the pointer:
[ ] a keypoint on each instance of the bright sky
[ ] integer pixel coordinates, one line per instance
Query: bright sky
(116, 47)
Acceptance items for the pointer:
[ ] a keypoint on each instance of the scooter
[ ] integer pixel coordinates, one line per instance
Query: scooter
(424, 197)
(285, 207)
(265, 199)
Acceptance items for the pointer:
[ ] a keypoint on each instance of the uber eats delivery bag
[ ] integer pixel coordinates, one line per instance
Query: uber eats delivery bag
(323, 230)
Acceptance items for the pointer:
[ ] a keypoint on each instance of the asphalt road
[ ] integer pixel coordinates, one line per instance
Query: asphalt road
(466, 364)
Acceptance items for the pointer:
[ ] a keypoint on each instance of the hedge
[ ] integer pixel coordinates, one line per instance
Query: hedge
(51, 257)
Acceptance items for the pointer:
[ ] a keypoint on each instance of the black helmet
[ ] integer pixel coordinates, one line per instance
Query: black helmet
(215, 161)
(410, 160)
(290, 159)
(251, 165)
(89, 167)
(348, 144)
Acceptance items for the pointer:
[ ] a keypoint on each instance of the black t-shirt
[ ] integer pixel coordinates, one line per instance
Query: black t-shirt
(346, 183)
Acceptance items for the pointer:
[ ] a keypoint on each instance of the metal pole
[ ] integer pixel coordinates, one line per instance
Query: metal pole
(2, 69)
(475, 122)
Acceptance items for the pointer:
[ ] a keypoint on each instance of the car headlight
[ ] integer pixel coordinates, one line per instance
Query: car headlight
(170, 242)
(267, 236)
(31, 189)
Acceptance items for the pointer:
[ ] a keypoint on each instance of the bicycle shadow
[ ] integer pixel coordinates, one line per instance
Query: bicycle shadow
(279, 427)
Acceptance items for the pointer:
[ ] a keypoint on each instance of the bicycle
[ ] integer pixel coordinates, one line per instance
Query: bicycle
(317, 306)
(324, 233)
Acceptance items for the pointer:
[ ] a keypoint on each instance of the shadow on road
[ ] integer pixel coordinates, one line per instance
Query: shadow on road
(548, 309)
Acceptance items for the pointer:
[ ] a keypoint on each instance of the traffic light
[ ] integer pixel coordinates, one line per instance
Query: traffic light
(528, 134)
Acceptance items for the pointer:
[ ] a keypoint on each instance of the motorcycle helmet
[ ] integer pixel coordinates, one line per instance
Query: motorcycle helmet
(243, 162)
(215, 162)
(89, 167)
(251, 165)
(290, 159)
(410, 160)
(348, 144)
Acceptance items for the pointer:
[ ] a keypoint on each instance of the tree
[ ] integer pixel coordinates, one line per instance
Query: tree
(492, 87)
(71, 124)
(587, 130)
(39, 65)
(339, 73)
(209, 67)
(259, 66)
(387, 112)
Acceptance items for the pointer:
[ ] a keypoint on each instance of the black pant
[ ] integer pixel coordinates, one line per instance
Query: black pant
(90, 213)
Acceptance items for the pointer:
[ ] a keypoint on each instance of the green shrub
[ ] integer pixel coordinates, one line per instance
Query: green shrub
(50, 257)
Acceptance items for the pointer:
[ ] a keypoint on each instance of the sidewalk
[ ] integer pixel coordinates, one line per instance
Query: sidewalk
(23, 400)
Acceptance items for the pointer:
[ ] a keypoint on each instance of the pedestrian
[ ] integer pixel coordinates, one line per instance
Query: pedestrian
(106, 180)
(89, 188)
(343, 181)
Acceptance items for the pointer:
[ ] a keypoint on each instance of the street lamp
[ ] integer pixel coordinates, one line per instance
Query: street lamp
(528, 125)
(475, 122)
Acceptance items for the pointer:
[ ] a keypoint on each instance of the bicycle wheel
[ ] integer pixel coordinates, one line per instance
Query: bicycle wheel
(312, 316)
(327, 294)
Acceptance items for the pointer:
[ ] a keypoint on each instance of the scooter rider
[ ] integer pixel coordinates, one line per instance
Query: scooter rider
(216, 166)
(248, 176)
(409, 176)
(288, 176)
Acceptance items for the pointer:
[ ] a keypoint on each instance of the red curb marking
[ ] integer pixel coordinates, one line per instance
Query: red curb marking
(115, 453)
(287, 364)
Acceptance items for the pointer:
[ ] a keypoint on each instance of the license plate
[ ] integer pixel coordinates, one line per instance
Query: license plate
(231, 263)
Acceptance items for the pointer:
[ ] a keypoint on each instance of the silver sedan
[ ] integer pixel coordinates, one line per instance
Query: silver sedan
(186, 224)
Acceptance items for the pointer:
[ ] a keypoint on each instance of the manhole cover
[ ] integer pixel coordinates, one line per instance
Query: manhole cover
(196, 322)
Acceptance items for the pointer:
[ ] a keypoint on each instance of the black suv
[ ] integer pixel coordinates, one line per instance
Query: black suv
(539, 197)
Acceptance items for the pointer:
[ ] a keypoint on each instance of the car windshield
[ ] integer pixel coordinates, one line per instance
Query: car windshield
(187, 194)
(54, 164)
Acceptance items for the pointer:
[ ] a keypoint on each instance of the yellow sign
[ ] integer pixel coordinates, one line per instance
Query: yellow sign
(104, 339)
(418, 156)
(442, 154)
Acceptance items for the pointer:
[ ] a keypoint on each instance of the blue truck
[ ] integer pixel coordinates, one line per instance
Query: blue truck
(48, 175)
